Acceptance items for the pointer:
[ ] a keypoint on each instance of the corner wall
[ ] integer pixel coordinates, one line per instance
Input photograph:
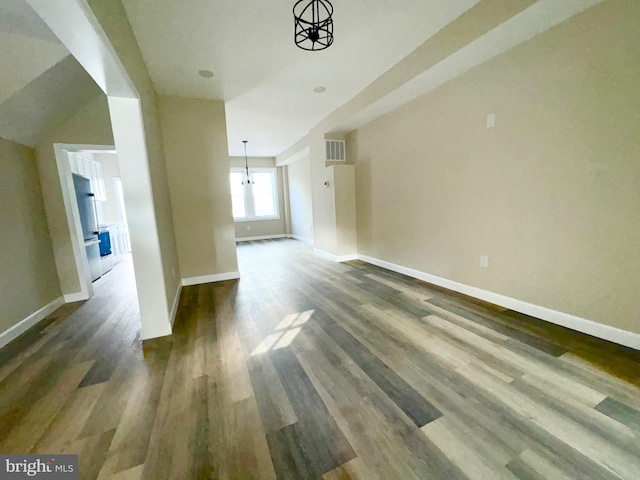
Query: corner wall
(195, 143)
(550, 194)
(324, 208)
(28, 276)
(299, 176)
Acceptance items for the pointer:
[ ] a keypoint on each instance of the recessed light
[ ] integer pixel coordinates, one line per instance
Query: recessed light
(205, 73)
(319, 89)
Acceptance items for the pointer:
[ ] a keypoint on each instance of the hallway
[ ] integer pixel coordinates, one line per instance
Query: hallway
(310, 369)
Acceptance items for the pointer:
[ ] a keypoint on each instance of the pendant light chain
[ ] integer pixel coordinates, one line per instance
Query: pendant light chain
(246, 165)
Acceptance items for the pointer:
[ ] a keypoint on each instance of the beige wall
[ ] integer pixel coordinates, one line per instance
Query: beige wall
(343, 183)
(299, 174)
(263, 227)
(324, 212)
(28, 277)
(89, 126)
(475, 22)
(195, 141)
(550, 195)
(333, 205)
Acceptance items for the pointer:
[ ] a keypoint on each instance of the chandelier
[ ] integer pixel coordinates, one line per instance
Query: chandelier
(313, 24)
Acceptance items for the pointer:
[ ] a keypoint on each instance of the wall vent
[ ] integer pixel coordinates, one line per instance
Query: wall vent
(335, 150)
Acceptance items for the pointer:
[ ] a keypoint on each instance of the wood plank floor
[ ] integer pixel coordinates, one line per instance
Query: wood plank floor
(305, 369)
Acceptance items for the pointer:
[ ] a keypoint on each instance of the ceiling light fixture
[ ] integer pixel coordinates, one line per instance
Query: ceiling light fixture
(205, 73)
(313, 24)
(246, 164)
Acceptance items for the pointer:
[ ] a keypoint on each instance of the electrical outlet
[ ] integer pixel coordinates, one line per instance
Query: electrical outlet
(248, 227)
(484, 261)
(491, 120)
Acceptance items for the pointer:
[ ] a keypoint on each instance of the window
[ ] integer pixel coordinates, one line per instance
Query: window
(257, 200)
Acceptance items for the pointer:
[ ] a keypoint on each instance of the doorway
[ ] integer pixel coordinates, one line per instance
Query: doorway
(94, 205)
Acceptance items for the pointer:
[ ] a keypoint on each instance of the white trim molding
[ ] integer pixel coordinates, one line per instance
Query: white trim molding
(218, 277)
(347, 258)
(335, 258)
(76, 297)
(325, 255)
(176, 301)
(36, 317)
(606, 332)
(262, 237)
(302, 239)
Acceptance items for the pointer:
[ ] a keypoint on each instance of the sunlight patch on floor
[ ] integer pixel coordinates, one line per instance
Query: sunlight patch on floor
(286, 331)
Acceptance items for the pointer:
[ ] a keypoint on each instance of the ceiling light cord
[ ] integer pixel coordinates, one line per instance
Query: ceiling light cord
(246, 165)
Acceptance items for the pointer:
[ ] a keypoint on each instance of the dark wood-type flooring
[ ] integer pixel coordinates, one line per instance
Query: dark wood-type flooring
(306, 369)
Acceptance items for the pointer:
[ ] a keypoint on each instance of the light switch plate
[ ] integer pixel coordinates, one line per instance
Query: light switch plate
(491, 120)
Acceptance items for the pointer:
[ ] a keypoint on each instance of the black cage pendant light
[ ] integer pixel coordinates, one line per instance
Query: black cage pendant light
(313, 24)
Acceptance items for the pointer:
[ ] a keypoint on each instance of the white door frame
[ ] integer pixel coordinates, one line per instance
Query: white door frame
(62, 151)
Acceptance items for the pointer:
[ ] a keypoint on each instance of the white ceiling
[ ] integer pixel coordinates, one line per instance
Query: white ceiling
(265, 80)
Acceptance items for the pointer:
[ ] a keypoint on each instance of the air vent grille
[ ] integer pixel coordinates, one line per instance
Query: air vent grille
(335, 151)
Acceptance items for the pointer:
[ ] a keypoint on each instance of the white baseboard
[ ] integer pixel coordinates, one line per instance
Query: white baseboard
(335, 258)
(262, 237)
(24, 325)
(174, 309)
(325, 255)
(218, 277)
(302, 239)
(606, 332)
(75, 297)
